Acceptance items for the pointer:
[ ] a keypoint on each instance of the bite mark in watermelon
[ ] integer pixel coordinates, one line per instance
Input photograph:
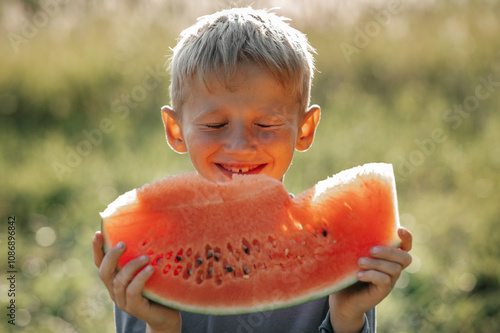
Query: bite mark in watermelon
(246, 245)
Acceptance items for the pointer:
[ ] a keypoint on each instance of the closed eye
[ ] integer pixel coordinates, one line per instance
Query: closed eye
(269, 122)
(264, 125)
(216, 126)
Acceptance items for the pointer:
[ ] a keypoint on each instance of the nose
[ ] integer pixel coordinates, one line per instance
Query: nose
(240, 140)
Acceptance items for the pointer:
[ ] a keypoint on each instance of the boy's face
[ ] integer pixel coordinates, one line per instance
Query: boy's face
(252, 127)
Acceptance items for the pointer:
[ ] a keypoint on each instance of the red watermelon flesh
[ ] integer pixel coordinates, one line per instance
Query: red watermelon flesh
(246, 245)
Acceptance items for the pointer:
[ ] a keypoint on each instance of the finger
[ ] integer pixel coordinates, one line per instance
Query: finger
(97, 250)
(406, 239)
(388, 267)
(134, 298)
(391, 254)
(107, 270)
(124, 277)
(381, 280)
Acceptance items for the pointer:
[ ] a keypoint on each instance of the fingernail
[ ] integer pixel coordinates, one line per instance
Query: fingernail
(363, 262)
(375, 250)
(121, 245)
(360, 274)
(143, 257)
(149, 269)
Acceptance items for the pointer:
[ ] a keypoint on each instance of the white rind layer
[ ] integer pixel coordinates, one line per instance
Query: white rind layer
(121, 203)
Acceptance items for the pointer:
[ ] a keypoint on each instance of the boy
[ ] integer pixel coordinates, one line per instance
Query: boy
(240, 93)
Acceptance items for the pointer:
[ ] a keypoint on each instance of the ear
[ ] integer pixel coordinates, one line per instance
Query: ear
(173, 129)
(307, 128)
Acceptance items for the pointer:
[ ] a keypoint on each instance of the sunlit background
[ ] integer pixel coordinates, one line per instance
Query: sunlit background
(413, 83)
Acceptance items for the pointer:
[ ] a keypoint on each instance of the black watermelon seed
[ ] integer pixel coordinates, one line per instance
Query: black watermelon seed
(210, 253)
(245, 270)
(229, 269)
(324, 232)
(246, 249)
(199, 261)
(178, 258)
(210, 271)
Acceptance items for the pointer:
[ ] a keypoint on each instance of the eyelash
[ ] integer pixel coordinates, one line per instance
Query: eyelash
(264, 126)
(216, 126)
(219, 126)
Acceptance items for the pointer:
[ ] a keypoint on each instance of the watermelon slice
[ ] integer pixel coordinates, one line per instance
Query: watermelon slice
(246, 245)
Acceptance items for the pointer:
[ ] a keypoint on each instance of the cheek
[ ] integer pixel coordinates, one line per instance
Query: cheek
(282, 137)
(200, 142)
(279, 143)
(266, 137)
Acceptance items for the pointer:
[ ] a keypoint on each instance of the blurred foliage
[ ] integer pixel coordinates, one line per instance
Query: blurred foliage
(81, 86)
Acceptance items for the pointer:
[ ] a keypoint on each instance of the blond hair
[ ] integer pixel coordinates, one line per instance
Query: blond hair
(217, 44)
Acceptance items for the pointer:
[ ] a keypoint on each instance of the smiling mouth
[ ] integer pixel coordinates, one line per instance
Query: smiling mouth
(242, 169)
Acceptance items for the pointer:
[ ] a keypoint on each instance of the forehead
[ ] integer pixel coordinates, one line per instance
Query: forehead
(248, 85)
(236, 78)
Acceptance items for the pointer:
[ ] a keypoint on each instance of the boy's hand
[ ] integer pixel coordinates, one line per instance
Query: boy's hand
(378, 275)
(126, 290)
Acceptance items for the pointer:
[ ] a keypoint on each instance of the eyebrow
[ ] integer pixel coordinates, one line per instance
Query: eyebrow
(207, 113)
(273, 110)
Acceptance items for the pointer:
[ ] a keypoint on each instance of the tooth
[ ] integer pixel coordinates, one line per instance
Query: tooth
(238, 170)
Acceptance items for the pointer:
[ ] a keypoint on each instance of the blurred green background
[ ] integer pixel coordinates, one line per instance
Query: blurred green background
(413, 83)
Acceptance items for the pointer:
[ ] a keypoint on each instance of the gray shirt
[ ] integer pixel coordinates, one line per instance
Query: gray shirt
(308, 317)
